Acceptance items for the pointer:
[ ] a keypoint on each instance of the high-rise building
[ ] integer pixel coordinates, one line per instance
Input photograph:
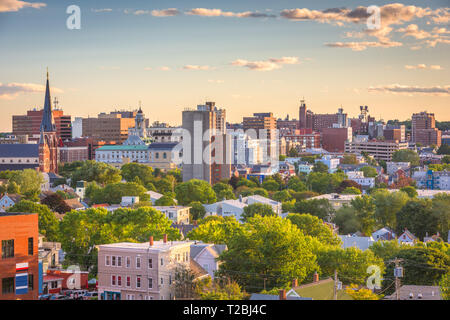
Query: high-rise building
(206, 151)
(30, 124)
(19, 265)
(424, 129)
(112, 127)
(334, 139)
(48, 140)
(317, 122)
(265, 127)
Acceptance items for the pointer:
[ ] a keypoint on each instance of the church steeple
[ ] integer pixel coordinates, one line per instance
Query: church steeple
(47, 124)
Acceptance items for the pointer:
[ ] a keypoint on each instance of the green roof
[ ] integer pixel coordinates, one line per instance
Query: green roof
(322, 290)
(123, 148)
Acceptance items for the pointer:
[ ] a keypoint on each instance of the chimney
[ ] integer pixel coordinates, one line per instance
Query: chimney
(165, 238)
(151, 241)
(282, 294)
(295, 283)
(316, 277)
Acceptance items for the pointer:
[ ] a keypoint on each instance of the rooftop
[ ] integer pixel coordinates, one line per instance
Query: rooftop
(157, 245)
(19, 151)
(124, 148)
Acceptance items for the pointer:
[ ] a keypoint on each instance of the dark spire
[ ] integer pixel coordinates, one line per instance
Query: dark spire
(47, 124)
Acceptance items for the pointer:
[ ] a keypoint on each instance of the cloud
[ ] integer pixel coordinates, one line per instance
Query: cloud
(166, 12)
(423, 66)
(16, 5)
(148, 68)
(413, 31)
(109, 68)
(219, 13)
(265, 65)
(196, 67)
(164, 68)
(441, 16)
(411, 90)
(216, 81)
(363, 45)
(12, 90)
(102, 10)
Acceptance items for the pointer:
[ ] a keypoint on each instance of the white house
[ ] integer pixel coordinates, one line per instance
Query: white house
(226, 208)
(177, 214)
(154, 196)
(383, 234)
(358, 177)
(129, 201)
(9, 200)
(362, 243)
(276, 206)
(206, 254)
(407, 238)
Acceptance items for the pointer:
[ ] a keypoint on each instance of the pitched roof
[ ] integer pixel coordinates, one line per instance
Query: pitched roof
(197, 269)
(412, 292)
(74, 203)
(321, 290)
(14, 197)
(47, 123)
(24, 150)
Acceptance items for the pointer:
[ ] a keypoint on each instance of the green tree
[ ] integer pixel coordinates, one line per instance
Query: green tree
(320, 208)
(195, 190)
(351, 190)
(296, 184)
(165, 201)
(441, 210)
(29, 182)
(99, 172)
(282, 196)
(444, 149)
(257, 209)
(347, 221)
(387, 205)
(222, 290)
(444, 285)
(365, 213)
(270, 184)
(348, 184)
(113, 193)
(261, 192)
(406, 155)
(410, 191)
(223, 191)
(349, 159)
(369, 172)
(322, 182)
(216, 229)
(320, 167)
(130, 171)
(197, 211)
(269, 248)
(417, 216)
(314, 227)
(48, 223)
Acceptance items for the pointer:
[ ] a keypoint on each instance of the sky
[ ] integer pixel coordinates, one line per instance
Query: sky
(248, 56)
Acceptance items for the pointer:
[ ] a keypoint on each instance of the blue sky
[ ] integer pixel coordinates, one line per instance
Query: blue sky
(124, 52)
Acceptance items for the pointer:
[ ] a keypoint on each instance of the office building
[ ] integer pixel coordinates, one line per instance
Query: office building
(380, 150)
(334, 139)
(424, 129)
(112, 127)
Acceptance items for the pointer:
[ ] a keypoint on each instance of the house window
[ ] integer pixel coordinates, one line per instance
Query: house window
(119, 281)
(128, 261)
(30, 246)
(138, 281)
(119, 261)
(138, 262)
(113, 261)
(150, 263)
(162, 280)
(113, 280)
(7, 249)
(150, 283)
(107, 260)
(128, 281)
(162, 261)
(7, 285)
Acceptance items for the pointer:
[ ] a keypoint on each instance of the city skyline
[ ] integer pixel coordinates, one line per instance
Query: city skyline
(247, 56)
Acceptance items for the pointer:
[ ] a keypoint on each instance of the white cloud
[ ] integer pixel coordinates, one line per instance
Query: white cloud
(423, 66)
(265, 65)
(220, 13)
(363, 45)
(166, 12)
(411, 90)
(196, 67)
(102, 10)
(413, 30)
(164, 68)
(12, 90)
(16, 5)
(216, 81)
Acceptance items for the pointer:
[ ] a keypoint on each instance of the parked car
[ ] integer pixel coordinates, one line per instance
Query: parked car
(45, 297)
(60, 297)
(90, 295)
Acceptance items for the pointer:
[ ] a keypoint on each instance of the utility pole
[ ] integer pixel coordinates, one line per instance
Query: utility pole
(398, 273)
(335, 285)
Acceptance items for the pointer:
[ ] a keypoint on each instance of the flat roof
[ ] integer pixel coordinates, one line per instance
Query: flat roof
(6, 214)
(157, 245)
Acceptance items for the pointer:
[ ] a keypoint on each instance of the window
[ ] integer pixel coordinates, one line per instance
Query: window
(162, 280)
(113, 280)
(150, 283)
(113, 261)
(30, 282)
(107, 260)
(128, 262)
(162, 261)
(7, 249)
(7, 285)
(128, 281)
(150, 263)
(138, 281)
(30, 246)
(138, 262)
(119, 281)
(119, 261)
(170, 279)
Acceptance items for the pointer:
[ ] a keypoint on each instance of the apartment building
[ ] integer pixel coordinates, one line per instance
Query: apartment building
(380, 150)
(424, 129)
(141, 271)
(19, 266)
(112, 127)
